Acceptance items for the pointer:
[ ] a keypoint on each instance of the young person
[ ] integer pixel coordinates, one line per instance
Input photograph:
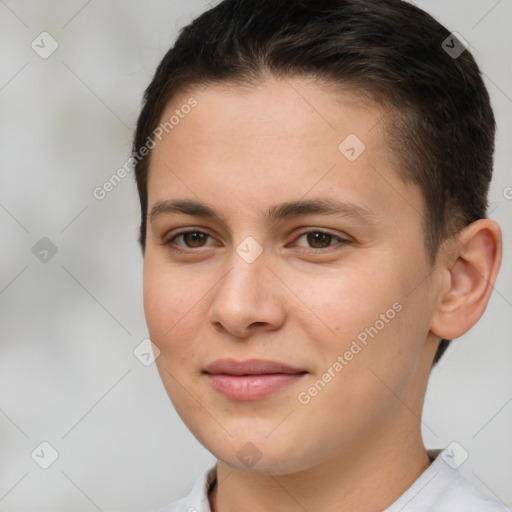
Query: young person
(313, 179)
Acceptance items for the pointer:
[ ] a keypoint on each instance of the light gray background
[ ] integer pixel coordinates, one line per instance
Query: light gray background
(68, 375)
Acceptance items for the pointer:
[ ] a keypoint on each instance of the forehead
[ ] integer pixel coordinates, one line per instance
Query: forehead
(245, 148)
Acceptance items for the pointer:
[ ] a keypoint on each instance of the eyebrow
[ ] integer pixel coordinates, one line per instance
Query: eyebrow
(275, 213)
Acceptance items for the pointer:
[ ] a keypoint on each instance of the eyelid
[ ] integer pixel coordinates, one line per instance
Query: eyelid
(342, 240)
(175, 234)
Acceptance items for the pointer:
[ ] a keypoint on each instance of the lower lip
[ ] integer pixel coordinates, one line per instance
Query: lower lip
(252, 387)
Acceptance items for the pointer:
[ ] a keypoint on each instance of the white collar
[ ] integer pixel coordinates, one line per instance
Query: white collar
(440, 488)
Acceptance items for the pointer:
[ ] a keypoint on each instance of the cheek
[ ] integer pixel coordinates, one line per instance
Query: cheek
(347, 300)
(168, 300)
(372, 314)
(175, 302)
(167, 307)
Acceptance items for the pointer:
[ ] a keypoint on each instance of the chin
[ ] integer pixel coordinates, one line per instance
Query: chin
(252, 452)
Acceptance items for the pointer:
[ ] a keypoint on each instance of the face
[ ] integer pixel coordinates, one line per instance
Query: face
(274, 235)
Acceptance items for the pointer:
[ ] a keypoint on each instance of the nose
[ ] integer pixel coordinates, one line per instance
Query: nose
(247, 299)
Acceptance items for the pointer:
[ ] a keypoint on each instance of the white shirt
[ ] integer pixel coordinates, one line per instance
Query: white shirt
(440, 488)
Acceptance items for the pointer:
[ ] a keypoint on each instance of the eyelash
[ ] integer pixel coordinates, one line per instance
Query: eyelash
(177, 249)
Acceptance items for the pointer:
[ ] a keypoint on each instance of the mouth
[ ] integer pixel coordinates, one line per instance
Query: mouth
(252, 379)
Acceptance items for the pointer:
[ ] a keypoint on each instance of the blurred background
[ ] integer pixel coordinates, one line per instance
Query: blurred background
(72, 76)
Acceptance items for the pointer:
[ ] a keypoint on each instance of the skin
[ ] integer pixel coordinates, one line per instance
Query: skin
(241, 151)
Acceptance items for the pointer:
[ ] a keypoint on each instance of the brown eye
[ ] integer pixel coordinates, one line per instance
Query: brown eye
(191, 240)
(194, 238)
(318, 240)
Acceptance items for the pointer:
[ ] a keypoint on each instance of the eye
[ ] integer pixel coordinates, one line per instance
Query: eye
(192, 239)
(320, 239)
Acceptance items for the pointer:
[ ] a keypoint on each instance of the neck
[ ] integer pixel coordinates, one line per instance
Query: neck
(368, 477)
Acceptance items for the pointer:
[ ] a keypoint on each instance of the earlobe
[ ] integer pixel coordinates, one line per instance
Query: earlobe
(469, 279)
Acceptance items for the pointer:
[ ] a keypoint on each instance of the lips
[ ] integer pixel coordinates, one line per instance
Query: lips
(252, 379)
(249, 367)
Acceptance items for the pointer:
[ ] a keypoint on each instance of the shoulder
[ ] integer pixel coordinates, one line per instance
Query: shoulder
(465, 497)
(175, 506)
(442, 488)
(197, 499)
(469, 499)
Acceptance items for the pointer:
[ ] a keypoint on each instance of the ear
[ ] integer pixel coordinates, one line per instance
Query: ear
(469, 267)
